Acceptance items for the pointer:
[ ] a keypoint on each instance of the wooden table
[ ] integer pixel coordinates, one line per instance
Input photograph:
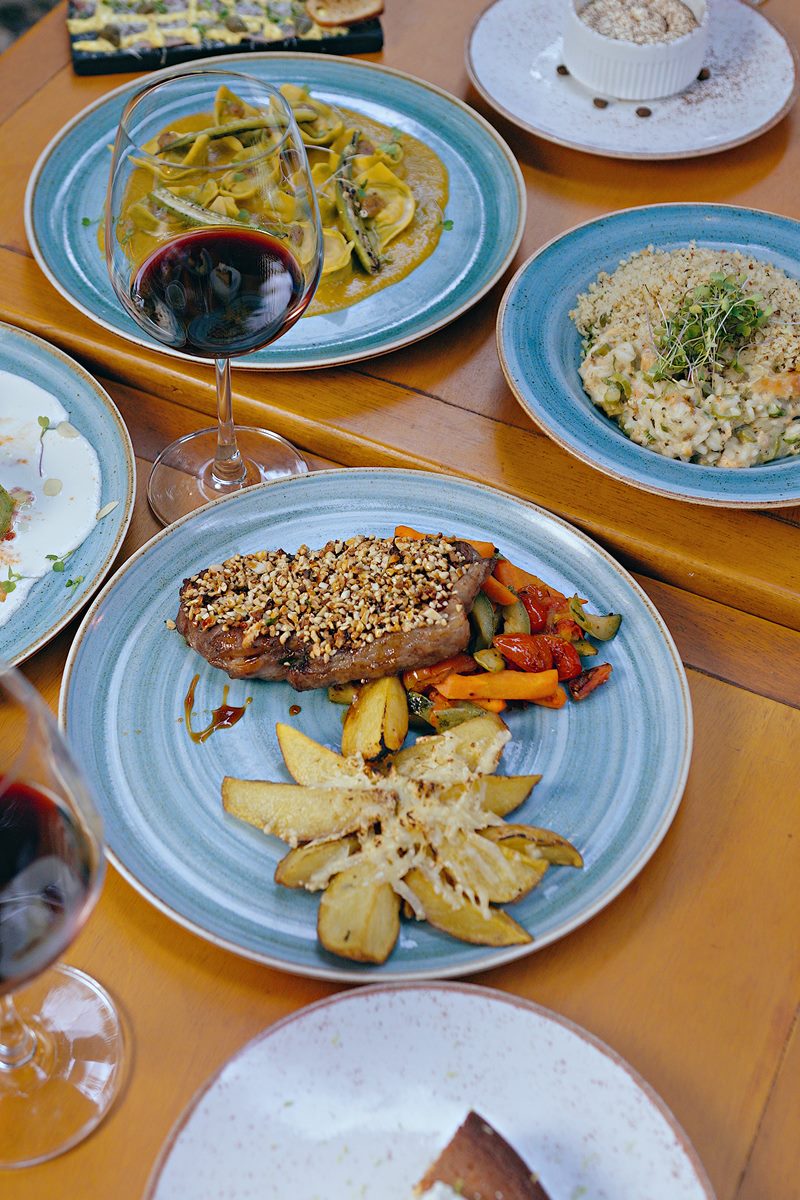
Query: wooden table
(692, 973)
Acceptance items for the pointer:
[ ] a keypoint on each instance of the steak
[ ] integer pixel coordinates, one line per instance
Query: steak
(356, 609)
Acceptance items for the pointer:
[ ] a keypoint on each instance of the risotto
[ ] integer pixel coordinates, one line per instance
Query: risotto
(696, 354)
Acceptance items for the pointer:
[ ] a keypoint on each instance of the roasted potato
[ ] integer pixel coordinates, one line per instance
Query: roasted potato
(503, 793)
(551, 846)
(302, 814)
(472, 748)
(465, 921)
(501, 874)
(299, 865)
(377, 720)
(312, 764)
(359, 918)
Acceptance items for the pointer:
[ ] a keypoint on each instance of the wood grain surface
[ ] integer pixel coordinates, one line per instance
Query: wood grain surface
(692, 974)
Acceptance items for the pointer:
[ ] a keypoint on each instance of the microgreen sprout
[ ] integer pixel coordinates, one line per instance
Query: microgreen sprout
(708, 329)
(45, 425)
(447, 225)
(57, 561)
(9, 584)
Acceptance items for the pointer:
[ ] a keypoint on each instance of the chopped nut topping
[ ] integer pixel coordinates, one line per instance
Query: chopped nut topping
(347, 594)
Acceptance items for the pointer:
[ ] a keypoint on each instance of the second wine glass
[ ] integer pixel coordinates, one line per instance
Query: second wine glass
(214, 247)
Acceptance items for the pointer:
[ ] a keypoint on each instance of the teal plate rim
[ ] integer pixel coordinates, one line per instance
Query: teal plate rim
(496, 254)
(539, 347)
(666, 743)
(97, 552)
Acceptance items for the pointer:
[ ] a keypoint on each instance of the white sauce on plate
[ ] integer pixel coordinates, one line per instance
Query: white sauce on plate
(60, 501)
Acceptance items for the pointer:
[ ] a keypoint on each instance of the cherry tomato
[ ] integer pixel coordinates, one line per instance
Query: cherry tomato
(528, 651)
(537, 605)
(566, 659)
(568, 629)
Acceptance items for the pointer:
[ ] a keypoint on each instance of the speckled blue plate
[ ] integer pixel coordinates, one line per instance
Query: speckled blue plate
(540, 348)
(614, 766)
(66, 193)
(49, 606)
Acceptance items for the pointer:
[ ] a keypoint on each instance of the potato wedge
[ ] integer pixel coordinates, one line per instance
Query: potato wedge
(501, 873)
(503, 793)
(301, 814)
(377, 720)
(310, 763)
(465, 922)
(551, 846)
(301, 864)
(475, 746)
(359, 918)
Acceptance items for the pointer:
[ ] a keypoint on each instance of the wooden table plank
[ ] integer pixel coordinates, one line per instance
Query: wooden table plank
(742, 559)
(692, 973)
(643, 975)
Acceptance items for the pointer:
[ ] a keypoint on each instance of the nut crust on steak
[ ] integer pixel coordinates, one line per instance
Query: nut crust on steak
(356, 609)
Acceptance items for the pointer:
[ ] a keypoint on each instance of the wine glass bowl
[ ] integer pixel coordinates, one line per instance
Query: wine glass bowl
(214, 247)
(61, 1043)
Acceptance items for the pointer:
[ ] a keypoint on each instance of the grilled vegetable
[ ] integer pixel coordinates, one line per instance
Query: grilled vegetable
(363, 237)
(602, 628)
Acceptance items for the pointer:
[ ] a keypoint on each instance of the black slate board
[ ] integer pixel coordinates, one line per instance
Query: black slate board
(360, 39)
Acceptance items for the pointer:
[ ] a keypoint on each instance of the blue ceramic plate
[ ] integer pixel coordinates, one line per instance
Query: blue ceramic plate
(540, 348)
(49, 605)
(66, 193)
(614, 766)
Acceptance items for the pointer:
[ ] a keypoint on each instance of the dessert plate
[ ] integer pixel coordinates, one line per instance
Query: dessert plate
(354, 1096)
(613, 767)
(50, 604)
(64, 205)
(515, 50)
(540, 348)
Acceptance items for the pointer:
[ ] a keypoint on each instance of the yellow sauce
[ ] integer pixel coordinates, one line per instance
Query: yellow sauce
(421, 169)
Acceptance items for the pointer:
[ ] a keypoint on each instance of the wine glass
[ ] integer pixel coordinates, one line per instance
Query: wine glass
(61, 1043)
(214, 247)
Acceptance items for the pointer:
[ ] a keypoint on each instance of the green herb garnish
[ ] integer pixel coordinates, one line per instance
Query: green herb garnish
(9, 584)
(704, 335)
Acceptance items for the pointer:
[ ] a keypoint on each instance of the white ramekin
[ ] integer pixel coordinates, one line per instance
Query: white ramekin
(626, 71)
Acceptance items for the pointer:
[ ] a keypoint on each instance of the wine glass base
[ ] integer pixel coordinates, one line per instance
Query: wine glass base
(182, 479)
(56, 1098)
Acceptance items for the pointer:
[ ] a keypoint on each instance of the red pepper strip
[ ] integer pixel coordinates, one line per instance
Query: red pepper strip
(516, 578)
(425, 677)
(528, 651)
(585, 683)
(498, 593)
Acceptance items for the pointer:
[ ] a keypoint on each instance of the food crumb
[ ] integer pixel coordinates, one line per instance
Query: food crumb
(170, 624)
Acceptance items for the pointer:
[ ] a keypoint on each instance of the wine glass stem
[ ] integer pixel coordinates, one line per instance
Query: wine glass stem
(229, 469)
(17, 1041)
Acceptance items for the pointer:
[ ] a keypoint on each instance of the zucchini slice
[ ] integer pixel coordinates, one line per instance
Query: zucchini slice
(601, 627)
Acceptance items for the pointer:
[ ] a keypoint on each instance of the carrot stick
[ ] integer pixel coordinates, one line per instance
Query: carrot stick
(498, 593)
(405, 531)
(419, 678)
(495, 706)
(500, 685)
(485, 549)
(557, 700)
(514, 577)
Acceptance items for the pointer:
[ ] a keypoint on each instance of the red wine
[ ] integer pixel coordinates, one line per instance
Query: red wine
(47, 864)
(219, 291)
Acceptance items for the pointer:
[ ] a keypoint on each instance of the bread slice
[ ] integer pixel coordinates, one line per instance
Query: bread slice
(478, 1164)
(328, 13)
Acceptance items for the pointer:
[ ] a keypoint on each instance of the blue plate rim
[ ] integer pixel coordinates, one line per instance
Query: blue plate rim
(310, 362)
(102, 395)
(491, 959)
(577, 449)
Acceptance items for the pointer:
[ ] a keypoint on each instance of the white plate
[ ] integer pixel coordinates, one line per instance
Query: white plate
(516, 47)
(352, 1098)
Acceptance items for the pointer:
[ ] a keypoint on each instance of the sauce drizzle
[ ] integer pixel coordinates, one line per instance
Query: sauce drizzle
(224, 717)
